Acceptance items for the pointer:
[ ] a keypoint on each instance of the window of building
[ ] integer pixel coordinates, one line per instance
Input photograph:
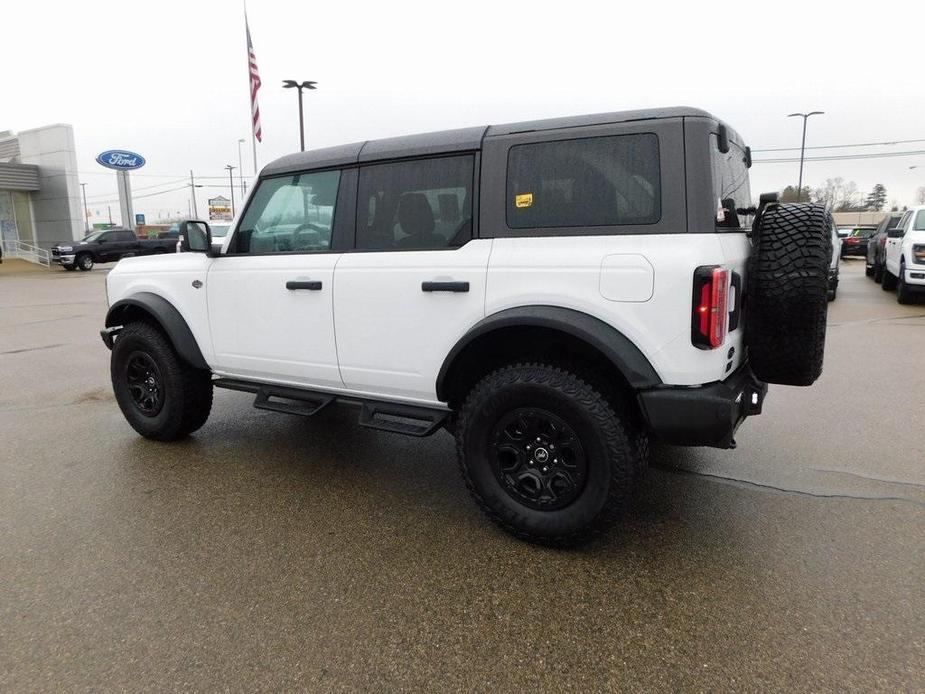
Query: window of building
(290, 214)
(420, 204)
(599, 181)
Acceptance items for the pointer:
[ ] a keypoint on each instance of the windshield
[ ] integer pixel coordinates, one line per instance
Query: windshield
(919, 221)
(93, 237)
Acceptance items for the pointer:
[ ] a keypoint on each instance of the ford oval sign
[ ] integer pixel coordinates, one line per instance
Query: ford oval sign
(120, 159)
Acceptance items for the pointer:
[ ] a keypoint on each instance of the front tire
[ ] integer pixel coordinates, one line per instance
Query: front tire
(544, 453)
(69, 268)
(84, 262)
(162, 397)
(903, 293)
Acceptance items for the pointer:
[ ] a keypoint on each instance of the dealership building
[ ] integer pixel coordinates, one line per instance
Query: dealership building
(40, 201)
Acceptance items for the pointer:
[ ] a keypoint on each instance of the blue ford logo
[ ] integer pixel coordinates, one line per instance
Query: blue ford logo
(120, 159)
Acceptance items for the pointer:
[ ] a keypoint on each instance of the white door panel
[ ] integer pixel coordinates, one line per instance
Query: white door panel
(261, 329)
(392, 336)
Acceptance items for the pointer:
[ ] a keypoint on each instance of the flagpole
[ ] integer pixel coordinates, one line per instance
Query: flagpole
(249, 99)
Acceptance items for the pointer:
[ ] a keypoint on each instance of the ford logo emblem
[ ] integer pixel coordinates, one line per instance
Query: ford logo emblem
(120, 159)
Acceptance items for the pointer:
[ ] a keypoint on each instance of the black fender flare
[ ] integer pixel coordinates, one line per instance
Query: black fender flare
(613, 344)
(168, 317)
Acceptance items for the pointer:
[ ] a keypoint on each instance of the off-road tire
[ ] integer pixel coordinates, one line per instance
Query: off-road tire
(787, 294)
(84, 262)
(889, 281)
(187, 391)
(903, 293)
(613, 447)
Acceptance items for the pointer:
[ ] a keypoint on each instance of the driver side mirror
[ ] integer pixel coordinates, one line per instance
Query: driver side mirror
(195, 237)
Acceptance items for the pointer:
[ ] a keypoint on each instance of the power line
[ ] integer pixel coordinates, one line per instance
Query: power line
(139, 197)
(156, 185)
(858, 144)
(842, 157)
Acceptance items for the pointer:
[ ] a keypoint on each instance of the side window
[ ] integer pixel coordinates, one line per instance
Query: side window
(919, 221)
(420, 204)
(123, 236)
(289, 214)
(599, 181)
(904, 222)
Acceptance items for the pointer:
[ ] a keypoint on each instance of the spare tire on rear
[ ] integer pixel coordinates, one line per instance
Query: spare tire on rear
(786, 293)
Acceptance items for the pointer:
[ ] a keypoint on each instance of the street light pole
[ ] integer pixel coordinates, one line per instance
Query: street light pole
(290, 84)
(241, 168)
(86, 211)
(231, 185)
(805, 117)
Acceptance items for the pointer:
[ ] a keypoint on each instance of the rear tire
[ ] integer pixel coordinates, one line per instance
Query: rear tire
(162, 397)
(787, 294)
(506, 438)
(889, 281)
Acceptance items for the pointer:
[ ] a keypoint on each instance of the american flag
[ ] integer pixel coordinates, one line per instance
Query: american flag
(255, 83)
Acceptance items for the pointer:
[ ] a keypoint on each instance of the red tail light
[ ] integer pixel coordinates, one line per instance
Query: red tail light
(710, 307)
(852, 240)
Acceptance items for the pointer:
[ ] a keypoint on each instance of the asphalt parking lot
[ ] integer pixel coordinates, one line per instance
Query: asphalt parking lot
(270, 552)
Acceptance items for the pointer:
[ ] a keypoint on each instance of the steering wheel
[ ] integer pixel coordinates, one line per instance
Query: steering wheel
(302, 228)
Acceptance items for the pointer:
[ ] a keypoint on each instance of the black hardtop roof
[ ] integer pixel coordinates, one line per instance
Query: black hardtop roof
(459, 140)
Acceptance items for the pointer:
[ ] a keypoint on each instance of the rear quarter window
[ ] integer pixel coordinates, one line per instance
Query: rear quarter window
(587, 182)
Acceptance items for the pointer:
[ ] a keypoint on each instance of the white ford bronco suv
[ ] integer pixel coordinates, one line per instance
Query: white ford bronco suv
(553, 293)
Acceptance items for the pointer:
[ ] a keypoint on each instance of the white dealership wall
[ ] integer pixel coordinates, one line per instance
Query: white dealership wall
(56, 205)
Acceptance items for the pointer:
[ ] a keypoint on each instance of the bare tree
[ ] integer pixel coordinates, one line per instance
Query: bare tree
(920, 196)
(838, 195)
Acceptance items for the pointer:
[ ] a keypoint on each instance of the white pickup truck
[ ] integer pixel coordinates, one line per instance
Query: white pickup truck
(554, 293)
(905, 256)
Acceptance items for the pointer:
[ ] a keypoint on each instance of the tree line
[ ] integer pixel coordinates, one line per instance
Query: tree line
(839, 195)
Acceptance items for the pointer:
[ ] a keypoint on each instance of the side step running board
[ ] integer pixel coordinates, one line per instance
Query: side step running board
(385, 416)
(291, 400)
(401, 419)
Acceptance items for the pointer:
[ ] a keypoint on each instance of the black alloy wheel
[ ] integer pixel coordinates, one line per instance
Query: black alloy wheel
(145, 384)
(539, 460)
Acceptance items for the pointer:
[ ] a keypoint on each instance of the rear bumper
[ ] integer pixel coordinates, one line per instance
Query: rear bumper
(854, 250)
(706, 415)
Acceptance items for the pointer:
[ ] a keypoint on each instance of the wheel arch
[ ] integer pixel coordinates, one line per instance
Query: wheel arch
(563, 332)
(151, 308)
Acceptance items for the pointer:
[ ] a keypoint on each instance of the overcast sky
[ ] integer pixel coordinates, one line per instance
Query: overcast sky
(168, 79)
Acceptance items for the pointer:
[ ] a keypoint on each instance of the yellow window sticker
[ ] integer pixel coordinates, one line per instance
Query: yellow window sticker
(523, 200)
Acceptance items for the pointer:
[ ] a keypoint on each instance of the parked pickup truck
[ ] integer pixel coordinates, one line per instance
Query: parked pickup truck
(109, 246)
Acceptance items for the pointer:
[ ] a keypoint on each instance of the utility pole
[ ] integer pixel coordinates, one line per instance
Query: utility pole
(805, 117)
(83, 187)
(109, 207)
(192, 188)
(231, 185)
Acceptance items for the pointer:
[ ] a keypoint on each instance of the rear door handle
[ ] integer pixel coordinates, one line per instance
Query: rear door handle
(312, 285)
(444, 286)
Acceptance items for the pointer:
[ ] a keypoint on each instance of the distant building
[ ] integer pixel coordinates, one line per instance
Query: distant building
(40, 201)
(844, 219)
